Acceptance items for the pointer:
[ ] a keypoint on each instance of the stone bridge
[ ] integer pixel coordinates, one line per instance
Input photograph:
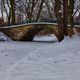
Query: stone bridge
(27, 32)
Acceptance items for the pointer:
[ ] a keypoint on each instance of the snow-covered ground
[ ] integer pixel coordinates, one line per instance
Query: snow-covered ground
(40, 61)
(3, 37)
(46, 38)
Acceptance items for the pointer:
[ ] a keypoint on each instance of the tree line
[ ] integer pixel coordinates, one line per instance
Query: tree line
(61, 10)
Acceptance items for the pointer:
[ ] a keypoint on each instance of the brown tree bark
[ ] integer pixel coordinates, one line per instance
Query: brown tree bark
(58, 14)
(2, 8)
(12, 3)
(65, 16)
(32, 9)
(70, 17)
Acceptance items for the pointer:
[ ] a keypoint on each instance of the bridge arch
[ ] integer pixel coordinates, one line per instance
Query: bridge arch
(30, 34)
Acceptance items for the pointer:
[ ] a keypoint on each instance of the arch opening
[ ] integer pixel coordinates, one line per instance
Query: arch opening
(39, 34)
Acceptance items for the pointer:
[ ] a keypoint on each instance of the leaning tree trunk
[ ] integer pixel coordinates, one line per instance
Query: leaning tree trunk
(70, 17)
(58, 14)
(39, 11)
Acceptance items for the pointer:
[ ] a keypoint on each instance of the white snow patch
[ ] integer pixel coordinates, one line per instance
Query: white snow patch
(3, 37)
(49, 37)
(40, 61)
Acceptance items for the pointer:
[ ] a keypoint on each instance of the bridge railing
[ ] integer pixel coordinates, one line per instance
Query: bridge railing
(40, 20)
(31, 21)
(34, 21)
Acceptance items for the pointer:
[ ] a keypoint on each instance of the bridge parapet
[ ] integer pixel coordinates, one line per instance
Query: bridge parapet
(28, 24)
(26, 32)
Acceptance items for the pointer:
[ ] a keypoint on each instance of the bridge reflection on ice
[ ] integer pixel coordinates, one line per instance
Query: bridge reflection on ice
(45, 38)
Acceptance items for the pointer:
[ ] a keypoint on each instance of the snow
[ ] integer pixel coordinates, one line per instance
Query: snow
(40, 61)
(48, 37)
(3, 37)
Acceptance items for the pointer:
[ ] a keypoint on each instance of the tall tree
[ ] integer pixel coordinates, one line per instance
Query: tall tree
(2, 8)
(70, 17)
(65, 16)
(58, 14)
(12, 3)
(40, 9)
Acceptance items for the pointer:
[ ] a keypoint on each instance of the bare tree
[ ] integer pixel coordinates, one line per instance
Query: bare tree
(12, 3)
(2, 8)
(39, 11)
(65, 16)
(59, 16)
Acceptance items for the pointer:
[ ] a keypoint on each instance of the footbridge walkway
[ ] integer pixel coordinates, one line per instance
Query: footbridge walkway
(33, 23)
(28, 24)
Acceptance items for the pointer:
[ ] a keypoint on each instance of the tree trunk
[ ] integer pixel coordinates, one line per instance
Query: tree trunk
(65, 16)
(70, 17)
(9, 17)
(12, 3)
(58, 14)
(41, 6)
(2, 8)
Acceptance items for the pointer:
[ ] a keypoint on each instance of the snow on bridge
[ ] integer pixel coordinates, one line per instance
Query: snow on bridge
(28, 35)
(26, 24)
(34, 23)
